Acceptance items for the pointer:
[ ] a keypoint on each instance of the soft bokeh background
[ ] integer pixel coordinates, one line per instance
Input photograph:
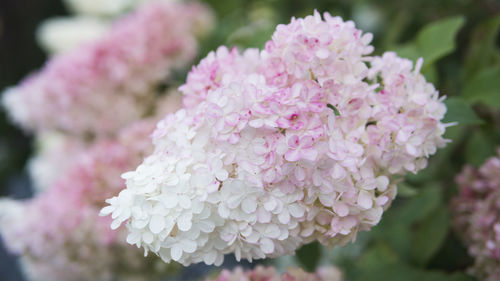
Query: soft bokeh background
(414, 237)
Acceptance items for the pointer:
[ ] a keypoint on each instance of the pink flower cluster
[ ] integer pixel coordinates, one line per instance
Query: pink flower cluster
(302, 141)
(59, 233)
(477, 216)
(261, 273)
(105, 85)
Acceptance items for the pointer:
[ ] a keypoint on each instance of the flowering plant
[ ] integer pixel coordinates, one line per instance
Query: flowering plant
(477, 216)
(122, 69)
(302, 141)
(56, 242)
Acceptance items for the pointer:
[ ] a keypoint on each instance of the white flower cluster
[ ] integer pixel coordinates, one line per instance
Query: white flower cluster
(305, 142)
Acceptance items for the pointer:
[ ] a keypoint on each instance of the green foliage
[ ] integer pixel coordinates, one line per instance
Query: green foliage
(411, 234)
(433, 42)
(484, 87)
(483, 51)
(403, 272)
(479, 147)
(460, 111)
(437, 39)
(309, 255)
(430, 235)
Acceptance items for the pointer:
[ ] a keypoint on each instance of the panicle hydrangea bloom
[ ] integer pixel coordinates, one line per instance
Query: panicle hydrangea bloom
(105, 85)
(59, 233)
(302, 141)
(261, 273)
(477, 216)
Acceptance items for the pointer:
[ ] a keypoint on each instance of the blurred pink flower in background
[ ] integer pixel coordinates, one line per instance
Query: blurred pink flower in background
(59, 233)
(102, 86)
(477, 216)
(92, 111)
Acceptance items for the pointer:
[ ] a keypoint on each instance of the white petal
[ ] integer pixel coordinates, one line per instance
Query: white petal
(263, 216)
(341, 209)
(210, 257)
(222, 175)
(365, 200)
(272, 231)
(157, 224)
(284, 216)
(296, 210)
(382, 183)
(188, 246)
(249, 205)
(322, 53)
(184, 201)
(134, 237)
(223, 211)
(266, 245)
(184, 223)
(140, 223)
(106, 211)
(170, 200)
(115, 224)
(147, 237)
(176, 252)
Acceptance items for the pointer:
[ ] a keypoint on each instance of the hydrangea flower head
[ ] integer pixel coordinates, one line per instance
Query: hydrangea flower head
(477, 216)
(59, 234)
(105, 85)
(299, 142)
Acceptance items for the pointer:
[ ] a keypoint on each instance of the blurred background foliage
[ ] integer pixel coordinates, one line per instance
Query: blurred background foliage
(459, 41)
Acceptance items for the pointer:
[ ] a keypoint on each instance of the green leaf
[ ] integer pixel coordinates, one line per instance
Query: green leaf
(404, 272)
(251, 36)
(309, 256)
(430, 235)
(438, 39)
(433, 42)
(484, 87)
(460, 111)
(406, 190)
(420, 206)
(430, 73)
(479, 147)
(377, 255)
(483, 51)
(335, 110)
(409, 51)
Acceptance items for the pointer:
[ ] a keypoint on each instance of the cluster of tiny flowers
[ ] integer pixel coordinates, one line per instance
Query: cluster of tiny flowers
(302, 141)
(477, 216)
(105, 85)
(59, 233)
(261, 273)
